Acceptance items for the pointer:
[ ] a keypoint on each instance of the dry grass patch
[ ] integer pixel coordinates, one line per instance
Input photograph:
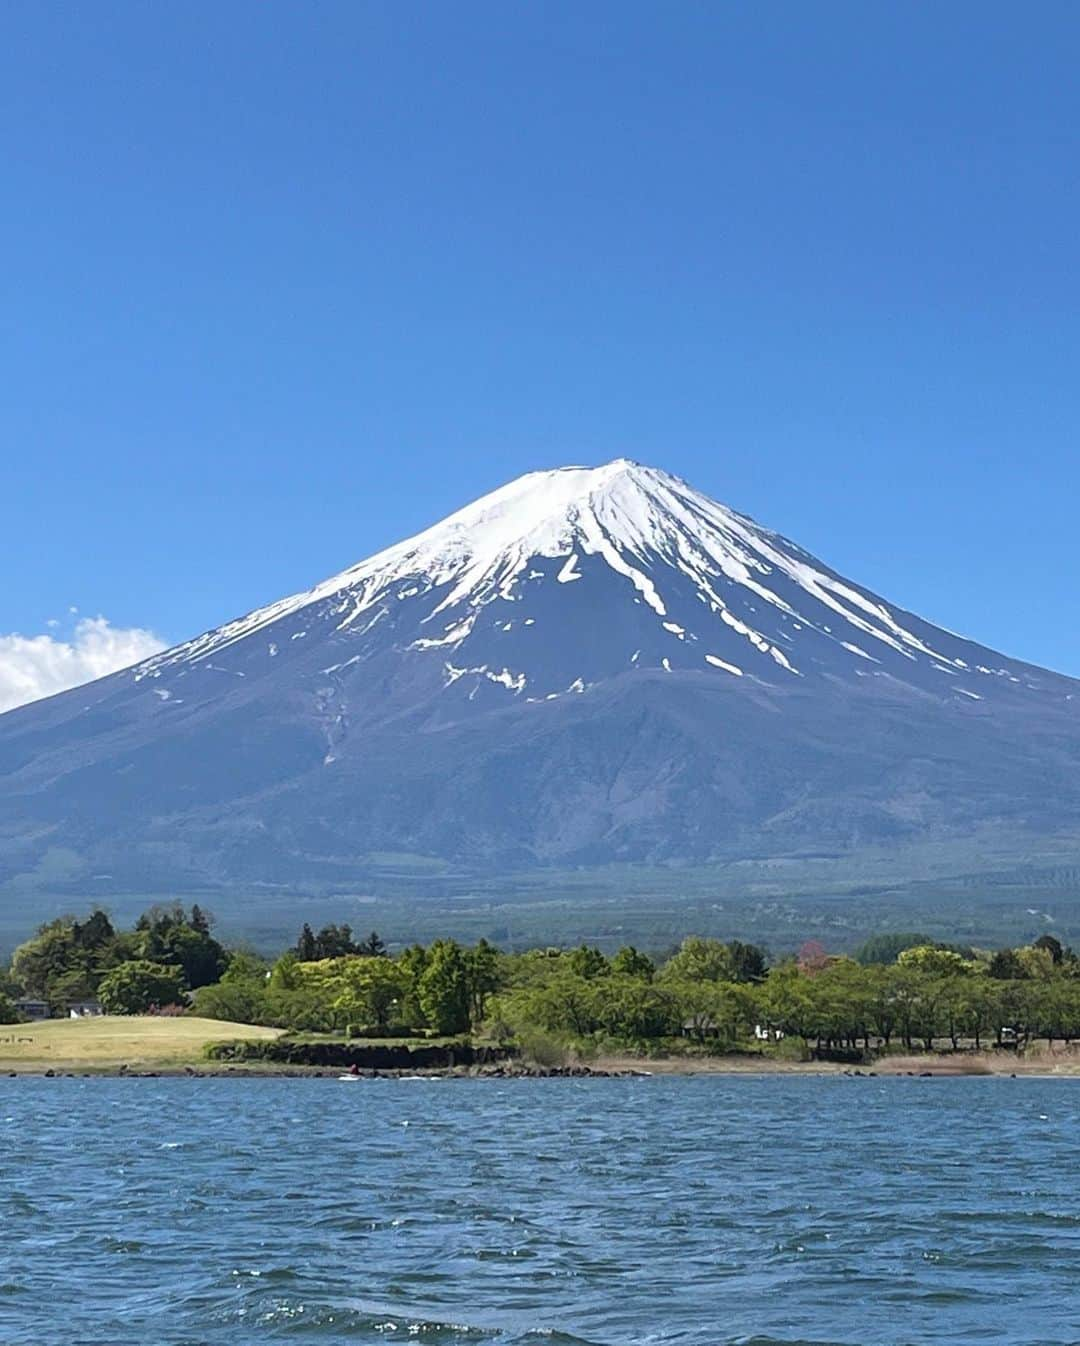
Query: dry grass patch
(110, 1041)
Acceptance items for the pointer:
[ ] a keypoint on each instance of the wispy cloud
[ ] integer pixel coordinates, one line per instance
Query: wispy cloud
(35, 666)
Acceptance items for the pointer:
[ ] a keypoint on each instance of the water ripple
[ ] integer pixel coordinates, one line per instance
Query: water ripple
(648, 1212)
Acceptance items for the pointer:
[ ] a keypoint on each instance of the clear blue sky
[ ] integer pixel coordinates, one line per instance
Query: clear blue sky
(284, 282)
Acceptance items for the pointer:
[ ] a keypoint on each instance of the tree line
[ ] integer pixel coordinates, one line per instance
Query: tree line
(707, 994)
(170, 952)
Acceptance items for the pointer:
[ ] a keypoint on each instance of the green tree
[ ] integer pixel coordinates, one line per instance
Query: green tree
(66, 959)
(413, 962)
(784, 1001)
(240, 996)
(170, 935)
(934, 961)
(482, 977)
(713, 1011)
(8, 1013)
(588, 962)
(1005, 965)
(700, 960)
(629, 1008)
(136, 987)
(372, 989)
(443, 988)
(628, 962)
(747, 960)
(306, 948)
(883, 1013)
(334, 941)
(887, 948)
(1053, 947)
(842, 1004)
(563, 1003)
(35, 964)
(1038, 963)
(285, 975)
(95, 933)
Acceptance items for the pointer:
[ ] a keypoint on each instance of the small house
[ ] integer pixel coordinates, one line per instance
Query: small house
(33, 1009)
(84, 1009)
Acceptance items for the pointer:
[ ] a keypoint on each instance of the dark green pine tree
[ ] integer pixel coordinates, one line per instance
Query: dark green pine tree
(306, 949)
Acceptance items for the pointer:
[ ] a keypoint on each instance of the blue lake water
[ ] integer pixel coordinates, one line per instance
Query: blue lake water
(188, 1212)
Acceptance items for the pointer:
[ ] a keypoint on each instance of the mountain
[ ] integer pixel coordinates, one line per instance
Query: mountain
(587, 666)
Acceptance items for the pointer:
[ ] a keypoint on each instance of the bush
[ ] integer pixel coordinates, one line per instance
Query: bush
(788, 1049)
(543, 1049)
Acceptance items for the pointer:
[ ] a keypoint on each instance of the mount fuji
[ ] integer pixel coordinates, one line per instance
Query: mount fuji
(587, 666)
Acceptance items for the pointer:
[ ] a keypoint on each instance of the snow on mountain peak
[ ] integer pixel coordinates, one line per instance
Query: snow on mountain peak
(681, 580)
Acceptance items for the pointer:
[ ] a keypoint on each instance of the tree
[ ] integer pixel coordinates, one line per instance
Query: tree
(977, 997)
(784, 1001)
(882, 1007)
(587, 962)
(285, 975)
(562, 1003)
(710, 1010)
(482, 977)
(934, 961)
(37, 962)
(138, 986)
(372, 947)
(66, 959)
(237, 1002)
(371, 988)
(842, 1003)
(169, 935)
(629, 963)
(887, 948)
(240, 996)
(334, 941)
(413, 962)
(95, 933)
(627, 1007)
(1052, 946)
(748, 961)
(1037, 962)
(812, 958)
(8, 1013)
(306, 948)
(700, 960)
(1006, 966)
(443, 988)
(199, 956)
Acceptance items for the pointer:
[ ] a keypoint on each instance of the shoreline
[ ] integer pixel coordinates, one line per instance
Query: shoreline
(915, 1065)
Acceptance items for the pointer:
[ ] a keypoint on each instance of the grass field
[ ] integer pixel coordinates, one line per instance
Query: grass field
(105, 1043)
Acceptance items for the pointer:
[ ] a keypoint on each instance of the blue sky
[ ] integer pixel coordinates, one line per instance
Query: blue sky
(286, 282)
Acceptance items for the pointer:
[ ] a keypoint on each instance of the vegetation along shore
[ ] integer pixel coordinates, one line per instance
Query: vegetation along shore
(84, 997)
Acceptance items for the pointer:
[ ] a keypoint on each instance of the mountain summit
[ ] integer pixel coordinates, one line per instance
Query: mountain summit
(587, 665)
(670, 579)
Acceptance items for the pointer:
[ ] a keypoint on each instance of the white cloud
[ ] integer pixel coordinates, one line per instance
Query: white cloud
(35, 666)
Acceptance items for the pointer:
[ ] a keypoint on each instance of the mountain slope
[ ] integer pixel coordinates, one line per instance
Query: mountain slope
(587, 665)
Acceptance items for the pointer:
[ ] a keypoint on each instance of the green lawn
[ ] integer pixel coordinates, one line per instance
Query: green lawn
(110, 1041)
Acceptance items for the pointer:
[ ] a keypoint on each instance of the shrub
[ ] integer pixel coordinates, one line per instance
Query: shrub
(543, 1049)
(788, 1049)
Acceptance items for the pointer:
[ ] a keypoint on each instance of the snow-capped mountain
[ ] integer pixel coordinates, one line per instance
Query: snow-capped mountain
(587, 664)
(565, 578)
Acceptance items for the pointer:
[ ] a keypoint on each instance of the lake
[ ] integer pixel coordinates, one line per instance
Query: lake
(193, 1212)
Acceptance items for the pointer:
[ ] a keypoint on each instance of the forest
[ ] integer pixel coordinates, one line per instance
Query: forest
(896, 991)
